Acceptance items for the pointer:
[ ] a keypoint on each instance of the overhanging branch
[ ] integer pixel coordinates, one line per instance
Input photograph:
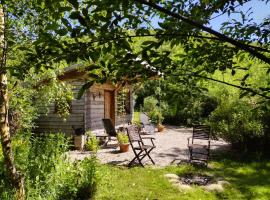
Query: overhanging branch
(196, 24)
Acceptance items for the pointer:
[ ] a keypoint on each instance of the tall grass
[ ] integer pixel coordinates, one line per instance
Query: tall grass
(48, 172)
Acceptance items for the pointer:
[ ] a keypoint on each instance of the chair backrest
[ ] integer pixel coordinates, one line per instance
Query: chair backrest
(109, 128)
(201, 132)
(133, 133)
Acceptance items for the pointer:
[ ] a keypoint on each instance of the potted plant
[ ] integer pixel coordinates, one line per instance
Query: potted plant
(92, 142)
(79, 138)
(160, 118)
(123, 141)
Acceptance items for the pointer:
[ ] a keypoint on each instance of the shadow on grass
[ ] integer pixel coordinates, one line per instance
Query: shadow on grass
(248, 175)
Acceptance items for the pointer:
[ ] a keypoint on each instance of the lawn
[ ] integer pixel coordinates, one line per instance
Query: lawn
(248, 180)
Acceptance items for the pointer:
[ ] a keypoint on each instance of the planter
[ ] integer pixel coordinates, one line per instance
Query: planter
(79, 141)
(124, 147)
(160, 128)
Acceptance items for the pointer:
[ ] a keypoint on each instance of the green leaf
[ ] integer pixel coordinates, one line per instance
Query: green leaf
(84, 88)
(75, 15)
(63, 9)
(245, 77)
(94, 76)
(243, 94)
(62, 32)
(74, 3)
(92, 67)
(146, 43)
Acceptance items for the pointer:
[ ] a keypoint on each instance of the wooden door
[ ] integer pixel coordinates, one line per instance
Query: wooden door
(109, 105)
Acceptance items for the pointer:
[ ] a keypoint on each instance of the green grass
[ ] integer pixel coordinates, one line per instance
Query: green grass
(248, 180)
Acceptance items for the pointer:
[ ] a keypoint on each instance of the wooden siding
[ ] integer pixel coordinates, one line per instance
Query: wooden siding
(86, 113)
(53, 123)
(94, 107)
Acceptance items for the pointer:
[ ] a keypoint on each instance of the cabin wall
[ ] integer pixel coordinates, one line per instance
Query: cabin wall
(52, 123)
(94, 108)
(86, 113)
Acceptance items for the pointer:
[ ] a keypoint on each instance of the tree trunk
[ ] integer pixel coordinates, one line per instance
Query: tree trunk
(15, 177)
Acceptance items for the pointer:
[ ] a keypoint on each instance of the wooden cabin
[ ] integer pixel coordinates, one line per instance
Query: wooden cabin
(98, 102)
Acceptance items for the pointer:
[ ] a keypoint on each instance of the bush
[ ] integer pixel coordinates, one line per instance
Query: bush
(153, 111)
(149, 104)
(48, 172)
(236, 121)
(92, 142)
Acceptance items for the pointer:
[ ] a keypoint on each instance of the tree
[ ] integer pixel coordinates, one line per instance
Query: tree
(15, 177)
(99, 34)
(18, 14)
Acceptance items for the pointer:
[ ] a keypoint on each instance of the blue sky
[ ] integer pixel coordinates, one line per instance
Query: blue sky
(260, 11)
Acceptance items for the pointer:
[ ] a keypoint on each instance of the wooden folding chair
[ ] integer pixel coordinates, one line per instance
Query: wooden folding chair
(199, 147)
(140, 149)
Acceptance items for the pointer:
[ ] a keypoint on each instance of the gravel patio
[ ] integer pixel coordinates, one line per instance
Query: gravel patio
(171, 148)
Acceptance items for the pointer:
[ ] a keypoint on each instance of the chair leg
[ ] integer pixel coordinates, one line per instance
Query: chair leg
(148, 154)
(137, 156)
(190, 154)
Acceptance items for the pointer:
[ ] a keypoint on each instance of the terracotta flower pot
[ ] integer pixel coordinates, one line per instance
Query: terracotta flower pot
(160, 128)
(124, 147)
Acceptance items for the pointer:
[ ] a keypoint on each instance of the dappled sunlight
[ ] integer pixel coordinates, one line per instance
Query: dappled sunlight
(171, 148)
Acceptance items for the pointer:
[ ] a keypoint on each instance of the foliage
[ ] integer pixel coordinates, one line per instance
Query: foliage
(246, 178)
(79, 31)
(136, 119)
(63, 100)
(180, 103)
(50, 32)
(122, 96)
(236, 120)
(31, 97)
(48, 172)
(150, 106)
(92, 142)
(122, 138)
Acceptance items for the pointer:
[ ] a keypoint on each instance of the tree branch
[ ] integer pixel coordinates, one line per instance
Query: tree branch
(176, 35)
(196, 24)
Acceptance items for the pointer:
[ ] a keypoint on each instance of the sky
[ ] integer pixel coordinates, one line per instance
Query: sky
(260, 11)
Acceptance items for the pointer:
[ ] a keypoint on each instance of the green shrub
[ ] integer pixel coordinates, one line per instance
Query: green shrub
(236, 121)
(149, 104)
(122, 138)
(153, 111)
(156, 116)
(79, 181)
(49, 174)
(92, 142)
